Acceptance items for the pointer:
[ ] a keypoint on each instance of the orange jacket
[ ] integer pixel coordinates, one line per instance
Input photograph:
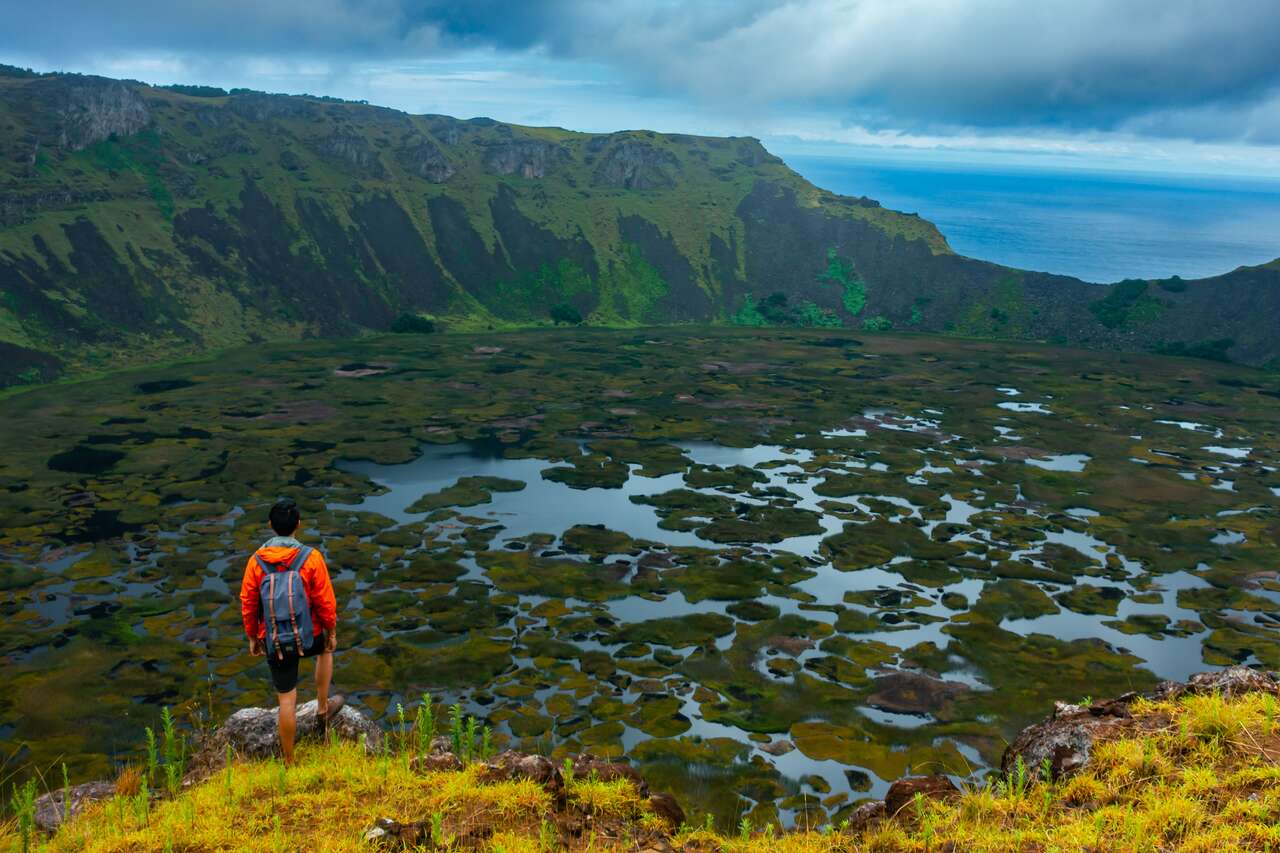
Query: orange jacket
(315, 578)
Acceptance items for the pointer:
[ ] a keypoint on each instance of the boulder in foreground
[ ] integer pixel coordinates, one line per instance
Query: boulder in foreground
(1063, 742)
(252, 733)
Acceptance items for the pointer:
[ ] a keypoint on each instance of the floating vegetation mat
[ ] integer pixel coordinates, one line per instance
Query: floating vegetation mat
(778, 569)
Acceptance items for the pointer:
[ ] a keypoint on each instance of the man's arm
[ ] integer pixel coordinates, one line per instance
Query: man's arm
(249, 604)
(324, 604)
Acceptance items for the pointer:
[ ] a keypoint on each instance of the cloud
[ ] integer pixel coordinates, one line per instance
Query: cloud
(1173, 68)
(1072, 64)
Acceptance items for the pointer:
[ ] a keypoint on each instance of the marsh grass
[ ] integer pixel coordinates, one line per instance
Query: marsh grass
(325, 802)
(1196, 774)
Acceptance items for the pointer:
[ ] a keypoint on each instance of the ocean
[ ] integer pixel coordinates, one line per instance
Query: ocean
(1098, 226)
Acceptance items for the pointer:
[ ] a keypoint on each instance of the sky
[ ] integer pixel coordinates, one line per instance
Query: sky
(1143, 85)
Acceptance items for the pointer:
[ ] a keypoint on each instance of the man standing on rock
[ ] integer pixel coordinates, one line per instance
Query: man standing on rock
(290, 612)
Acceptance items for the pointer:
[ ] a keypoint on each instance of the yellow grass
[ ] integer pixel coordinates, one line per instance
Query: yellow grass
(1201, 776)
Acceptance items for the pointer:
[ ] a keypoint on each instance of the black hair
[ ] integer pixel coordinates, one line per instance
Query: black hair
(284, 517)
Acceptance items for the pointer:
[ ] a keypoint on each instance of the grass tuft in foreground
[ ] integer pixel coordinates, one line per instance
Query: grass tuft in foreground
(1195, 774)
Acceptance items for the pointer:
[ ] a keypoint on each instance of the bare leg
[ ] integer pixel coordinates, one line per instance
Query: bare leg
(324, 674)
(288, 722)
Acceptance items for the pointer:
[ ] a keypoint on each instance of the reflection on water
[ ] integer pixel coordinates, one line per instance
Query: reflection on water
(1037, 408)
(1232, 452)
(549, 507)
(1063, 462)
(543, 506)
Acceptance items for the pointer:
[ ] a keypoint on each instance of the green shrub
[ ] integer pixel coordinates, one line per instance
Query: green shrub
(23, 804)
(412, 324)
(1125, 302)
(853, 292)
(566, 314)
(197, 91)
(1215, 350)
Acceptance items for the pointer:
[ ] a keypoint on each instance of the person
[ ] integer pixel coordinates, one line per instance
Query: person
(292, 638)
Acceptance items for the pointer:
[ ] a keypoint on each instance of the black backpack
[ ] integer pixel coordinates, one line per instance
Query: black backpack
(286, 612)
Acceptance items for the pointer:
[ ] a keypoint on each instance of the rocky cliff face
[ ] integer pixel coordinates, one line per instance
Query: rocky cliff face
(634, 165)
(92, 109)
(528, 158)
(424, 158)
(138, 222)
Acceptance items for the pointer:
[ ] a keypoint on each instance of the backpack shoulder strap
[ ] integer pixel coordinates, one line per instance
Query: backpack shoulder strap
(300, 559)
(263, 564)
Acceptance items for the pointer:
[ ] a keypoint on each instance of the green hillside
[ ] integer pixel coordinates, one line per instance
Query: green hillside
(140, 223)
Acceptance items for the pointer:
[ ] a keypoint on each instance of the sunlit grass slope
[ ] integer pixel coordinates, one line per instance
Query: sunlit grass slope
(1198, 774)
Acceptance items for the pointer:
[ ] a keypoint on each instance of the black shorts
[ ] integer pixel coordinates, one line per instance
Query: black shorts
(284, 671)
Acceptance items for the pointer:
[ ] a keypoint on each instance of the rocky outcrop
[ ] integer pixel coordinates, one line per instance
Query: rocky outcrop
(635, 165)
(511, 766)
(388, 833)
(588, 766)
(666, 808)
(229, 143)
(751, 153)
(903, 793)
(424, 158)
(350, 147)
(1063, 742)
(1231, 682)
(289, 160)
(91, 109)
(50, 809)
(18, 207)
(529, 158)
(865, 815)
(258, 106)
(252, 734)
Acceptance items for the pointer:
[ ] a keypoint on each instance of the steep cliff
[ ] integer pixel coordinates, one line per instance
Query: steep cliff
(139, 223)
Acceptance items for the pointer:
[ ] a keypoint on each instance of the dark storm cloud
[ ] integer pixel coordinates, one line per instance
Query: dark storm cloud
(1187, 68)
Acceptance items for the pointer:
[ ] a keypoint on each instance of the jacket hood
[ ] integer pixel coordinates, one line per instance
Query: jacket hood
(280, 549)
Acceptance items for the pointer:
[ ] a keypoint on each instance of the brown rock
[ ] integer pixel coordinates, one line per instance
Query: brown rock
(587, 764)
(49, 809)
(388, 833)
(666, 807)
(1066, 738)
(655, 845)
(436, 762)
(866, 815)
(903, 792)
(1230, 682)
(511, 765)
(252, 733)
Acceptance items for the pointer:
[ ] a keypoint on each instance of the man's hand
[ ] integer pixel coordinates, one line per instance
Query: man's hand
(331, 639)
(257, 647)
